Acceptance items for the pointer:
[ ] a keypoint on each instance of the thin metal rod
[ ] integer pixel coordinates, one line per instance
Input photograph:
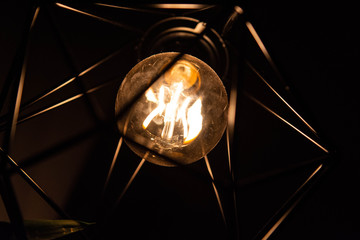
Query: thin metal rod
(114, 23)
(231, 139)
(16, 110)
(69, 142)
(288, 123)
(19, 59)
(15, 94)
(37, 10)
(229, 153)
(231, 172)
(199, 10)
(62, 85)
(140, 10)
(232, 112)
(33, 185)
(59, 104)
(27, 105)
(281, 219)
(92, 105)
(131, 179)
(286, 205)
(281, 98)
(231, 20)
(262, 177)
(16, 98)
(215, 190)
(116, 154)
(199, 175)
(263, 49)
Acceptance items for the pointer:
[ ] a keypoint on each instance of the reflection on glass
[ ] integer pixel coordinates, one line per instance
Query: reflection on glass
(181, 116)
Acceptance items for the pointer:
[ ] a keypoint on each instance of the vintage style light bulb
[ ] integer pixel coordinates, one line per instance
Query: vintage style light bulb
(181, 116)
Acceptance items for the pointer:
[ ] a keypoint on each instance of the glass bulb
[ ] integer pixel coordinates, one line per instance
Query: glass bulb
(181, 116)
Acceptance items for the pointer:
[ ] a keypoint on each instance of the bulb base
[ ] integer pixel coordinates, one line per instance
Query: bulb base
(177, 34)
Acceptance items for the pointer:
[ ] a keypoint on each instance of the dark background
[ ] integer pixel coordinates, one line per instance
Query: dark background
(315, 47)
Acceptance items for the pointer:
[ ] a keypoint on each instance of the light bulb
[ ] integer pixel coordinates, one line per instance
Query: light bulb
(181, 116)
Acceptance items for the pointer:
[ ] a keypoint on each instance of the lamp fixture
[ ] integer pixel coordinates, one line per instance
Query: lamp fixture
(181, 116)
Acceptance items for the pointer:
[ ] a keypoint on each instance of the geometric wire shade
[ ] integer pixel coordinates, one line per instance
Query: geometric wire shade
(58, 125)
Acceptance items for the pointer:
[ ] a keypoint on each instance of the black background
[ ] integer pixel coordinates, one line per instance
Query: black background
(316, 46)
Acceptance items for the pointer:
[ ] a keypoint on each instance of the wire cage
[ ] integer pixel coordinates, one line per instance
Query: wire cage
(62, 156)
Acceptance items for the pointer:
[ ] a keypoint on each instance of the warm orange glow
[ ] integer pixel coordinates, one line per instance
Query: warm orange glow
(194, 121)
(184, 72)
(181, 115)
(174, 108)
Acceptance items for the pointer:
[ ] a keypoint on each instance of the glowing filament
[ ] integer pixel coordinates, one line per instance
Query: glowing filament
(195, 120)
(176, 111)
(157, 111)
